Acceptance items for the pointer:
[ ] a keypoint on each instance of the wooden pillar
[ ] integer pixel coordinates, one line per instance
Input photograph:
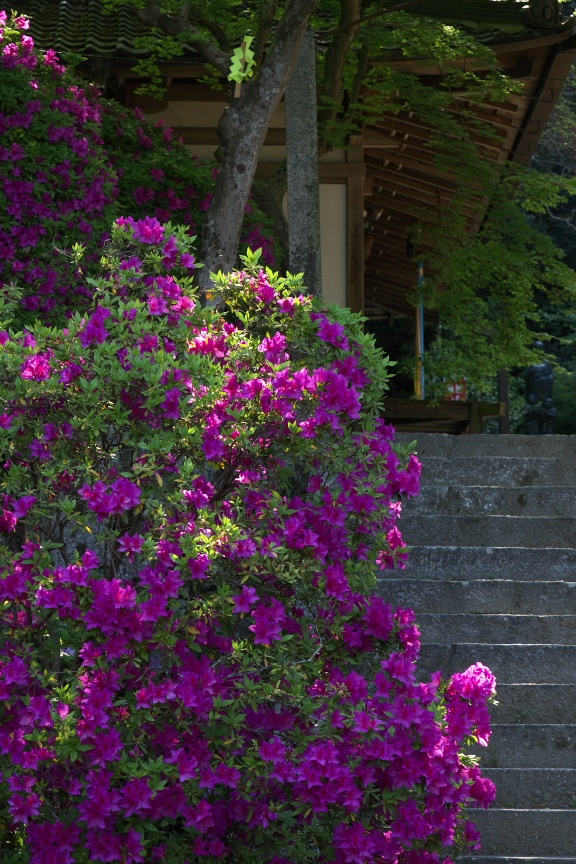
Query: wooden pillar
(355, 214)
(503, 396)
(304, 254)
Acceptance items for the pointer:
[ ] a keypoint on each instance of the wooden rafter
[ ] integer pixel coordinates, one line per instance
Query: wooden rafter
(408, 186)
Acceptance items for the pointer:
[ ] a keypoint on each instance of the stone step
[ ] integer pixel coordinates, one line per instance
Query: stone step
(497, 586)
(481, 562)
(524, 832)
(511, 664)
(532, 446)
(494, 596)
(533, 787)
(494, 501)
(530, 745)
(508, 629)
(497, 471)
(542, 531)
(534, 703)
(509, 859)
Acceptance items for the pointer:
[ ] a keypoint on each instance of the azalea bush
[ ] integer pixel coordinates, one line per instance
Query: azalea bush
(70, 162)
(196, 662)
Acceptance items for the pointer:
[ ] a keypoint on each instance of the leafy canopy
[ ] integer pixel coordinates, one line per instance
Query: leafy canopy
(484, 285)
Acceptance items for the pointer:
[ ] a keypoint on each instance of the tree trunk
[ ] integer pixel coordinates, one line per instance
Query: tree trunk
(242, 130)
(302, 163)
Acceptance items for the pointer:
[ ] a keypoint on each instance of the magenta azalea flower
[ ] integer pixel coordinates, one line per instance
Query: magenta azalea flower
(148, 230)
(36, 368)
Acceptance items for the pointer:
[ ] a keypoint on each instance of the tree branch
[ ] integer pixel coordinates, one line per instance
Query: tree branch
(153, 16)
(360, 74)
(348, 117)
(264, 28)
(336, 56)
(360, 21)
(213, 27)
(567, 220)
(287, 40)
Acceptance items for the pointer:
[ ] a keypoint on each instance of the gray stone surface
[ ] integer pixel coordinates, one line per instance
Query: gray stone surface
(473, 562)
(495, 501)
(535, 664)
(531, 745)
(508, 629)
(544, 531)
(523, 446)
(498, 471)
(481, 595)
(548, 832)
(534, 787)
(507, 859)
(492, 577)
(537, 703)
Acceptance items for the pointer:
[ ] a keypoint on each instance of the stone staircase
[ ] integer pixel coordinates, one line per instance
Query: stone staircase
(492, 576)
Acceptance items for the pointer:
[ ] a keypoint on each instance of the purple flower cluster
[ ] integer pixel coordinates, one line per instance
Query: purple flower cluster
(54, 179)
(71, 162)
(201, 665)
(105, 500)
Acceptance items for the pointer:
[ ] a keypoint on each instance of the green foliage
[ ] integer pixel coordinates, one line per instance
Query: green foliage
(491, 283)
(194, 505)
(555, 160)
(71, 162)
(565, 401)
(485, 286)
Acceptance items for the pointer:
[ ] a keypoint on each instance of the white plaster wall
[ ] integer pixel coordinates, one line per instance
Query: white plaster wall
(333, 239)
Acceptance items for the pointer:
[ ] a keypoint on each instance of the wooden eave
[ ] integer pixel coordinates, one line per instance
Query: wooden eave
(408, 187)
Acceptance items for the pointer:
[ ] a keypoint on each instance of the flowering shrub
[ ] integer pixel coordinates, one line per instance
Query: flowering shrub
(70, 162)
(158, 176)
(195, 665)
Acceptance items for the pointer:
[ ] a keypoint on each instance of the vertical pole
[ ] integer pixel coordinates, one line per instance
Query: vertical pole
(419, 385)
(503, 396)
(304, 254)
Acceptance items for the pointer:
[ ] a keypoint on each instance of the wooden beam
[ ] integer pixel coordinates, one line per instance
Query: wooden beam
(180, 90)
(378, 139)
(124, 70)
(207, 135)
(398, 197)
(416, 178)
(388, 182)
(530, 44)
(330, 172)
(543, 102)
(426, 168)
